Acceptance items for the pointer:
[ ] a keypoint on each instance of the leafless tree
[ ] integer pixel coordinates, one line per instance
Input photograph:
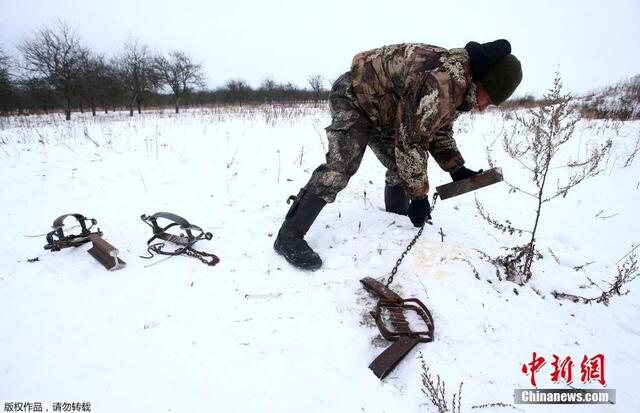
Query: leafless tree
(180, 73)
(113, 88)
(6, 84)
(268, 86)
(237, 90)
(546, 129)
(137, 72)
(316, 82)
(5, 62)
(39, 94)
(94, 80)
(55, 55)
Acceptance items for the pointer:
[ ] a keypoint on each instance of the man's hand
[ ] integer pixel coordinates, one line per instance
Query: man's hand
(463, 173)
(419, 211)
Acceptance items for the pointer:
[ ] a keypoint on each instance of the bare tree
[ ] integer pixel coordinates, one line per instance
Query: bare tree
(55, 55)
(237, 90)
(6, 83)
(180, 73)
(268, 87)
(137, 72)
(39, 94)
(93, 82)
(316, 82)
(546, 129)
(5, 63)
(112, 87)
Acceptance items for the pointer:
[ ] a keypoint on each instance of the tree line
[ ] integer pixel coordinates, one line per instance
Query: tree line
(55, 71)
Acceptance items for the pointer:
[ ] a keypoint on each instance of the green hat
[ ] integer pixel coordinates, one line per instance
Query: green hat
(502, 79)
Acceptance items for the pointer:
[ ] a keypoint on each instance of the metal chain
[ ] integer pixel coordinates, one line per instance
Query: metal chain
(406, 251)
(435, 198)
(202, 256)
(412, 243)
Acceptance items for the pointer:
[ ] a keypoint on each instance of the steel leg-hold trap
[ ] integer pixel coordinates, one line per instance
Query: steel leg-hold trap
(394, 307)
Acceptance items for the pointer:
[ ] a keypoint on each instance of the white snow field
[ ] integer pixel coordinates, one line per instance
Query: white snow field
(254, 334)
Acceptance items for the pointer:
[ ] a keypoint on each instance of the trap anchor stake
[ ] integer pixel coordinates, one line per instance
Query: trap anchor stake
(105, 253)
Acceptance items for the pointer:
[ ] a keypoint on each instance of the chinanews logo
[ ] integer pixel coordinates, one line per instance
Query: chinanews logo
(592, 370)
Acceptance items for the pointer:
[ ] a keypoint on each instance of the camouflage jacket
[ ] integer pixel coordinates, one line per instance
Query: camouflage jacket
(413, 92)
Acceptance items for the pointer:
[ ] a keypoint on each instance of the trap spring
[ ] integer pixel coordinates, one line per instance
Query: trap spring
(192, 234)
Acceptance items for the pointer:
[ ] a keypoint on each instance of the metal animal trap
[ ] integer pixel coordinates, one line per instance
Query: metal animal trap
(390, 316)
(105, 253)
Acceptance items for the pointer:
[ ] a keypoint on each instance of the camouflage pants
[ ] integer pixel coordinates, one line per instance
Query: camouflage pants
(349, 135)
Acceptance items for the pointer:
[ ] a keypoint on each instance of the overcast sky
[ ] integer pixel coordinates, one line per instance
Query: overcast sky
(591, 43)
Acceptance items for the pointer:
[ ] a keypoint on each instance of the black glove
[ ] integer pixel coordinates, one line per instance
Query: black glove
(419, 211)
(463, 173)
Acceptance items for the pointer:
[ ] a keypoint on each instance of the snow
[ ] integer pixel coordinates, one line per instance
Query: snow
(253, 333)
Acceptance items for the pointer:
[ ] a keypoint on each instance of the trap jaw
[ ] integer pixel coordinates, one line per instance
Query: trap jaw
(403, 338)
(57, 240)
(185, 240)
(486, 178)
(175, 220)
(105, 253)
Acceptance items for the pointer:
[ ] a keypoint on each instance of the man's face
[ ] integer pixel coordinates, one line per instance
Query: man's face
(483, 98)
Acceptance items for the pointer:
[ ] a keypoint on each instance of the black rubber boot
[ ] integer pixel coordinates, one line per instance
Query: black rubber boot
(396, 200)
(290, 241)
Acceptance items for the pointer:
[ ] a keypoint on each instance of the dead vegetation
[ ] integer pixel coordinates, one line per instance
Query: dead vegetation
(537, 138)
(627, 272)
(619, 102)
(435, 390)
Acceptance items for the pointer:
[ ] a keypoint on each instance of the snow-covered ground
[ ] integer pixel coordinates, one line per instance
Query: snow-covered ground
(254, 334)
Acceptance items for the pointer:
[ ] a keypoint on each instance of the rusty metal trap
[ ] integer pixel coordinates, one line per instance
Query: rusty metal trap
(105, 253)
(396, 317)
(484, 178)
(390, 315)
(177, 230)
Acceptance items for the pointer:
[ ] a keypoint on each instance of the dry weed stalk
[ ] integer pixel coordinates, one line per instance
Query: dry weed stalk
(546, 129)
(627, 272)
(632, 155)
(436, 391)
